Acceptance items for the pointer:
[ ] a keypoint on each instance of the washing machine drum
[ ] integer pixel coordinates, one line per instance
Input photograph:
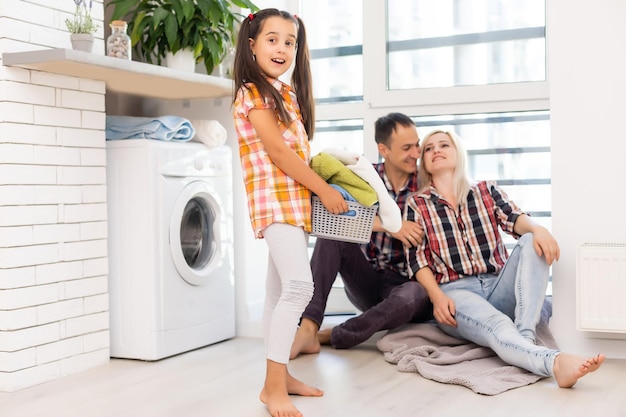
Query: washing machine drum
(195, 233)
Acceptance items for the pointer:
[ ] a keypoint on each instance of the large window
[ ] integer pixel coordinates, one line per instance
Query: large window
(447, 43)
(335, 35)
(478, 67)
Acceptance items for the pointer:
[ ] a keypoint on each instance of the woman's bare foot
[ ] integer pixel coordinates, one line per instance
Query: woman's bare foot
(568, 369)
(305, 340)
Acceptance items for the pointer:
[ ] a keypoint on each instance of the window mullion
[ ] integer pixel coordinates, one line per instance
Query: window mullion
(374, 70)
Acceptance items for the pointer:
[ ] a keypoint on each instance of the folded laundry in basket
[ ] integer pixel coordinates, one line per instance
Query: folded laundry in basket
(388, 211)
(160, 128)
(334, 172)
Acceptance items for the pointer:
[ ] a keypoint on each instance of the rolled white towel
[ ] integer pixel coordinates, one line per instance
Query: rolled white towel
(209, 132)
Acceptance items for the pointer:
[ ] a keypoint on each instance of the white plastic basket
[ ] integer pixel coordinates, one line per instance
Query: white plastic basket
(347, 228)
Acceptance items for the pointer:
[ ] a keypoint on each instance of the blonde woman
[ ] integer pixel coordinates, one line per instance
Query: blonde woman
(479, 291)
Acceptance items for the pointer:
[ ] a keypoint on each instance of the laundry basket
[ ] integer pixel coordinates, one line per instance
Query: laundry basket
(348, 228)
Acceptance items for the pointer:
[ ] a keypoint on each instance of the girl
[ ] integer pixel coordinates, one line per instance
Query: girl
(479, 292)
(274, 123)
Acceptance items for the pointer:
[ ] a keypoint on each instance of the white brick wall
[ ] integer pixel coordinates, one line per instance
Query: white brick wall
(54, 304)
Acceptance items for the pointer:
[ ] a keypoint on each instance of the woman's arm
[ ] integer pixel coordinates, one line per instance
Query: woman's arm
(543, 241)
(264, 122)
(443, 306)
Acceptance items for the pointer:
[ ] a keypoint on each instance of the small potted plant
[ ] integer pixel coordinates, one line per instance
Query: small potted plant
(158, 28)
(82, 26)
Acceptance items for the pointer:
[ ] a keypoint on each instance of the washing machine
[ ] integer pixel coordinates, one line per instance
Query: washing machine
(171, 279)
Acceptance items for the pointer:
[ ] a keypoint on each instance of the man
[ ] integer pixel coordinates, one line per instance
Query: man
(375, 275)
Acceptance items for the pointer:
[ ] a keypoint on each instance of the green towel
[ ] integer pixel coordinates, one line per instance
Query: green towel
(334, 172)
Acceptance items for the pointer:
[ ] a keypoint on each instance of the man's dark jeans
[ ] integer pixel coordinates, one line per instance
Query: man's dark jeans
(386, 299)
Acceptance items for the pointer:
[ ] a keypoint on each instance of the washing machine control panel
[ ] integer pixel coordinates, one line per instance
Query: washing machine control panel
(204, 162)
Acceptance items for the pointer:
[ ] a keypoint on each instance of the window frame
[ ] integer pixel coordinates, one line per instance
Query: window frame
(378, 101)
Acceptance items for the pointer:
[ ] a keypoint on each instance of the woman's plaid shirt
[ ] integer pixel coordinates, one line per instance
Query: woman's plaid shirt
(465, 242)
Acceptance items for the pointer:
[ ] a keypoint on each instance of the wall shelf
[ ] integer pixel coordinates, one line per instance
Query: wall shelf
(123, 76)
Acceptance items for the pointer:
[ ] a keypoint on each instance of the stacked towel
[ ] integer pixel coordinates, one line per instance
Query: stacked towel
(160, 128)
(209, 132)
(388, 210)
(334, 172)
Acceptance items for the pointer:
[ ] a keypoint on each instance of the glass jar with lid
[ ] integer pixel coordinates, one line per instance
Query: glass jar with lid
(118, 43)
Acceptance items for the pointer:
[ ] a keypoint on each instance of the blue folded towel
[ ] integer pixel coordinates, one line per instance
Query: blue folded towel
(160, 128)
(346, 196)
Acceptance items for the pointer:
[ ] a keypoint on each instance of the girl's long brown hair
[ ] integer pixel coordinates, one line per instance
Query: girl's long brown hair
(246, 70)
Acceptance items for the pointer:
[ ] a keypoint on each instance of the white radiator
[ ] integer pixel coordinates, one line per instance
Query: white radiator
(601, 287)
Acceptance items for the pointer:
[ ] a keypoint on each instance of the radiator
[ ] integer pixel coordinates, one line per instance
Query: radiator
(601, 287)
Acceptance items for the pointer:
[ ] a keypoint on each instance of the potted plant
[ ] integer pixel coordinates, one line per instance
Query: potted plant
(82, 26)
(206, 28)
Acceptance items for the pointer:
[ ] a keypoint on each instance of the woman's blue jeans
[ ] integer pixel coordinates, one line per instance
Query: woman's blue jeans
(502, 311)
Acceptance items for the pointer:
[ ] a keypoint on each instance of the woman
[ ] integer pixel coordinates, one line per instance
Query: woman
(479, 292)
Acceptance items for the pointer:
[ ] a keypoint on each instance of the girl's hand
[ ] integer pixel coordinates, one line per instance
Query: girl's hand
(444, 310)
(333, 201)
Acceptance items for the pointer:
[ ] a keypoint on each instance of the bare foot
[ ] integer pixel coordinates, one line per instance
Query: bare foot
(568, 369)
(278, 403)
(278, 386)
(323, 336)
(305, 340)
(297, 387)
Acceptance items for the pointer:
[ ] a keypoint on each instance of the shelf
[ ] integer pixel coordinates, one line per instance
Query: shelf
(123, 76)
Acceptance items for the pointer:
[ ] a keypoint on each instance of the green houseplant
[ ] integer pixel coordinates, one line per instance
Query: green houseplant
(157, 27)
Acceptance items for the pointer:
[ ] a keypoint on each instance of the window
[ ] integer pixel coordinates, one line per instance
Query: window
(448, 43)
(476, 67)
(335, 38)
(344, 134)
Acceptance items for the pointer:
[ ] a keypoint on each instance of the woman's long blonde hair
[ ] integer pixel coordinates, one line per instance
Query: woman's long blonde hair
(462, 183)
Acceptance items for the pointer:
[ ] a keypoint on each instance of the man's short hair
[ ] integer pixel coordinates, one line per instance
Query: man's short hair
(386, 125)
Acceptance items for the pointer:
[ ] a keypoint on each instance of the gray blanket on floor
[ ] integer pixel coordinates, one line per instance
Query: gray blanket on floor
(425, 349)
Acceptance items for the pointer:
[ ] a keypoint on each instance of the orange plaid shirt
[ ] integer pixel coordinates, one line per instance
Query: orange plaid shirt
(273, 196)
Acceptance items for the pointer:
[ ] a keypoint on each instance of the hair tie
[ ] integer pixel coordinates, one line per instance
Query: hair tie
(296, 16)
(251, 17)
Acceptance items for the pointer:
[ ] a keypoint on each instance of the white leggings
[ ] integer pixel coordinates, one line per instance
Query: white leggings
(288, 287)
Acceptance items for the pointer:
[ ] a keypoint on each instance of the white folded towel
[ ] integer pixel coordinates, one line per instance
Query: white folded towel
(388, 210)
(209, 132)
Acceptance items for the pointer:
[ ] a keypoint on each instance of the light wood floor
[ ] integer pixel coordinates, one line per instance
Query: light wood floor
(224, 380)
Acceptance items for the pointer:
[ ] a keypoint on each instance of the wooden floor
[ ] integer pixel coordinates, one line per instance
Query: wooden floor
(224, 380)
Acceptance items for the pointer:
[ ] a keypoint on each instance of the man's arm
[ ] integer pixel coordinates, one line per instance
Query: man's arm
(410, 234)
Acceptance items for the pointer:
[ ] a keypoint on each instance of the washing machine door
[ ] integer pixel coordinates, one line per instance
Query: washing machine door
(195, 243)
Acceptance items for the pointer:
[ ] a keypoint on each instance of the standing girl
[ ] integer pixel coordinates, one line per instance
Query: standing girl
(274, 123)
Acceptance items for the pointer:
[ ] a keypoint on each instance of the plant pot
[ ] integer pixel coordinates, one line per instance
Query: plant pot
(82, 41)
(182, 60)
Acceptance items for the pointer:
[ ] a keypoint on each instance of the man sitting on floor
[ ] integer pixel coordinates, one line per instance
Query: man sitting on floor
(375, 275)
